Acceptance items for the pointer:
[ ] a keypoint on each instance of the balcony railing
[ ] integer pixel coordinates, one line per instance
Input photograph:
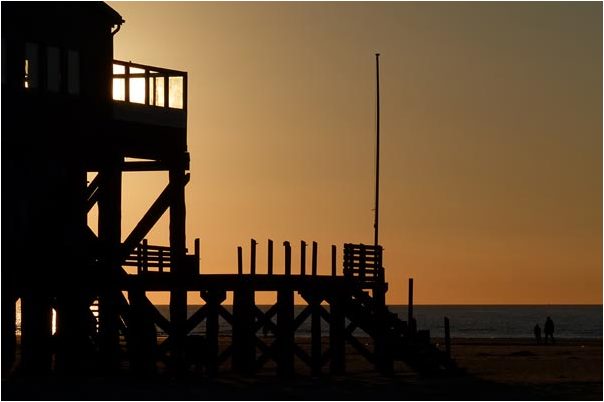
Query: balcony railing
(158, 91)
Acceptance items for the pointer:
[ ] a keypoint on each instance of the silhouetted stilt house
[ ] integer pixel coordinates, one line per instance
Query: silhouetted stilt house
(68, 110)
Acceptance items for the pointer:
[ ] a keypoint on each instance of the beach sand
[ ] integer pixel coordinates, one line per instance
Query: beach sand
(497, 369)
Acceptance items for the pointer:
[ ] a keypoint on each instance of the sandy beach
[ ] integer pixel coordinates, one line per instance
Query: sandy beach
(492, 369)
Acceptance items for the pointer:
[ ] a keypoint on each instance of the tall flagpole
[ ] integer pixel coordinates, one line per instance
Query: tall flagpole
(377, 150)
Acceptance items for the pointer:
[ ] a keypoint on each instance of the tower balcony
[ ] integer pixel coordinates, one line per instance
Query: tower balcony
(149, 95)
(149, 110)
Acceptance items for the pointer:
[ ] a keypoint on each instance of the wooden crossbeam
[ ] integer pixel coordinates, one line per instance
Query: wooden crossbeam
(196, 318)
(325, 315)
(326, 357)
(144, 166)
(302, 355)
(267, 353)
(299, 320)
(155, 212)
(264, 319)
(92, 192)
(360, 348)
(225, 354)
(224, 313)
(161, 321)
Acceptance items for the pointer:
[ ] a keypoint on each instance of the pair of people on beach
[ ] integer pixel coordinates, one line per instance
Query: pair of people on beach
(548, 330)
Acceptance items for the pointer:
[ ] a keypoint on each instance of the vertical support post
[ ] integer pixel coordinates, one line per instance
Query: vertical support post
(213, 300)
(362, 262)
(139, 259)
(337, 333)
(146, 86)
(239, 260)
(333, 261)
(244, 349)
(270, 257)
(447, 338)
(160, 260)
(127, 83)
(198, 256)
(314, 258)
(285, 332)
(166, 91)
(315, 333)
(382, 339)
(302, 258)
(253, 257)
(145, 256)
(178, 268)
(9, 315)
(35, 332)
(288, 258)
(109, 224)
(410, 308)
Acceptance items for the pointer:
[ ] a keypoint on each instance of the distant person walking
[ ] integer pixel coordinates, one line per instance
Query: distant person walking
(548, 329)
(537, 332)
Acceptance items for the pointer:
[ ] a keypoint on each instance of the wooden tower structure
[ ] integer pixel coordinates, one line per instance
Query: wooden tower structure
(71, 112)
(70, 109)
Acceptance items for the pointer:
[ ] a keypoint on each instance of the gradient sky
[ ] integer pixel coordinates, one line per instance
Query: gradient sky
(491, 138)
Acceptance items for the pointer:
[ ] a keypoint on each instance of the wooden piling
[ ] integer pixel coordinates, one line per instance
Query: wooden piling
(302, 258)
(410, 303)
(314, 258)
(109, 234)
(288, 258)
(447, 338)
(253, 256)
(337, 333)
(244, 348)
(178, 269)
(213, 299)
(382, 347)
(315, 333)
(270, 257)
(333, 261)
(285, 332)
(35, 333)
(239, 260)
(198, 256)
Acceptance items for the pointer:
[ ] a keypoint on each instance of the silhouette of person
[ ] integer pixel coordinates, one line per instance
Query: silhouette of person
(537, 332)
(548, 329)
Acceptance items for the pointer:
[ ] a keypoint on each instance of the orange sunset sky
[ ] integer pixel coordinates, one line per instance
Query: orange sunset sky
(491, 185)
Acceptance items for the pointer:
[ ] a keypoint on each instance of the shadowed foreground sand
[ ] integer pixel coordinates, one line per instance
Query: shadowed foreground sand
(500, 369)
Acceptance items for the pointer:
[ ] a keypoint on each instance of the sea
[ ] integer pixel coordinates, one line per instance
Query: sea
(466, 321)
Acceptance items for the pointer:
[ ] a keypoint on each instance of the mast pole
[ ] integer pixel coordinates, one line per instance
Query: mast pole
(377, 152)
